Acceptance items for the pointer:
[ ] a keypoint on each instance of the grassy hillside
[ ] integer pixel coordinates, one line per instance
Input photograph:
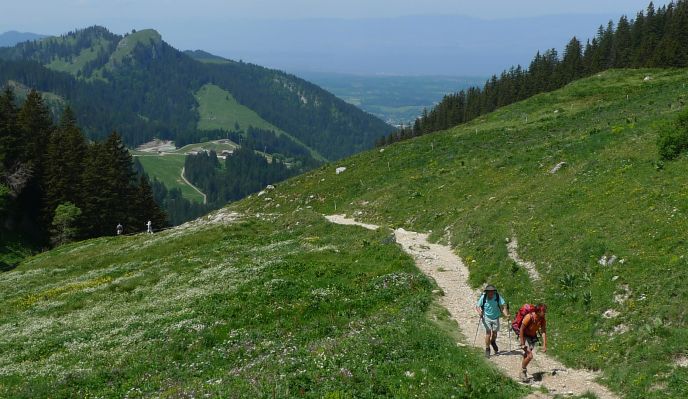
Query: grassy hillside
(75, 64)
(479, 184)
(55, 102)
(167, 168)
(128, 43)
(283, 304)
(219, 110)
(267, 306)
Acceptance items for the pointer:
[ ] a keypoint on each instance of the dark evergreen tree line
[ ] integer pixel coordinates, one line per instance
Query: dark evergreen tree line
(44, 166)
(244, 173)
(655, 38)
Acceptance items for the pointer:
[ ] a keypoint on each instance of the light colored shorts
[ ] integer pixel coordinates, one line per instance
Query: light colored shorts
(490, 325)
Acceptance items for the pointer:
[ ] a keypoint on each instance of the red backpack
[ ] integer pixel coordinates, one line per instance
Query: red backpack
(522, 313)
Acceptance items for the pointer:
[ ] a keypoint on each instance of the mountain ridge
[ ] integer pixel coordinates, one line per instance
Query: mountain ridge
(155, 84)
(12, 37)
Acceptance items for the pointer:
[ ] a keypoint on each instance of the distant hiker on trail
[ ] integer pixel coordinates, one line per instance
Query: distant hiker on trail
(120, 229)
(149, 225)
(490, 307)
(532, 324)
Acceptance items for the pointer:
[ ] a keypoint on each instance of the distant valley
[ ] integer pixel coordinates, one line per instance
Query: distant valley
(394, 99)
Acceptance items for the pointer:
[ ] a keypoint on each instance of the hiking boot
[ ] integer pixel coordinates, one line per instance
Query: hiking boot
(487, 352)
(523, 375)
(494, 346)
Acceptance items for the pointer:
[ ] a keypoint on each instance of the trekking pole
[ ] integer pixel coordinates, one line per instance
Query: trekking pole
(476, 329)
(509, 325)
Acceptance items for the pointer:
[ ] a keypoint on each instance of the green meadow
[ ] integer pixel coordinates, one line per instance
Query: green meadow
(276, 302)
(265, 306)
(219, 110)
(168, 168)
(479, 184)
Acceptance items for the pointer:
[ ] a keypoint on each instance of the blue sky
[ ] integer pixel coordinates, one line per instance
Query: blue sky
(55, 16)
(348, 36)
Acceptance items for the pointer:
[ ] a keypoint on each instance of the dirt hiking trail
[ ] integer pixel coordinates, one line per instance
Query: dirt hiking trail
(205, 198)
(448, 270)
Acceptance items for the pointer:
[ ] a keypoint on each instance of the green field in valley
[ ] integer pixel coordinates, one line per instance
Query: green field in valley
(394, 99)
(168, 168)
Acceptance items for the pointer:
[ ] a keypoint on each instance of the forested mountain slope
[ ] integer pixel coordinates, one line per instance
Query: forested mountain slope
(142, 87)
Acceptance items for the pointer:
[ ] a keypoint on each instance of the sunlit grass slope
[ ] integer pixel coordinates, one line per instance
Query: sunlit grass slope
(283, 304)
(168, 168)
(271, 305)
(219, 110)
(74, 65)
(479, 184)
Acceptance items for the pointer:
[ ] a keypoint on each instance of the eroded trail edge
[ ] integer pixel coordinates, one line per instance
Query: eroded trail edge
(451, 274)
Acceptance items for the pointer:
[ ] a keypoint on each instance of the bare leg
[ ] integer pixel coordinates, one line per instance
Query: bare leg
(527, 358)
(493, 340)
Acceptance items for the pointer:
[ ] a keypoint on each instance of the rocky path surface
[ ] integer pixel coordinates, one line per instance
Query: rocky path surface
(448, 270)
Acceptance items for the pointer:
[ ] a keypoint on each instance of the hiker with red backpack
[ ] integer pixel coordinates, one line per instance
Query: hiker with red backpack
(490, 307)
(530, 321)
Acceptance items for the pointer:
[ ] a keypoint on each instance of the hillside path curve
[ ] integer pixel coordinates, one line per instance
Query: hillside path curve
(205, 199)
(451, 274)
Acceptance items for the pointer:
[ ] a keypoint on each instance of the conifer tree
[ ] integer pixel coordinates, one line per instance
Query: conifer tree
(97, 192)
(35, 124)
(571, 67)
(65, 156)
(122, 180)
(621, 44)
(34, 128)
(146, 206)
(650, 32)
(8, 129)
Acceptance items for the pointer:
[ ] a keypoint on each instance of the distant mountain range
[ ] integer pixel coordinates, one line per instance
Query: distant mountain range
(10, 38)
(142, 87)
